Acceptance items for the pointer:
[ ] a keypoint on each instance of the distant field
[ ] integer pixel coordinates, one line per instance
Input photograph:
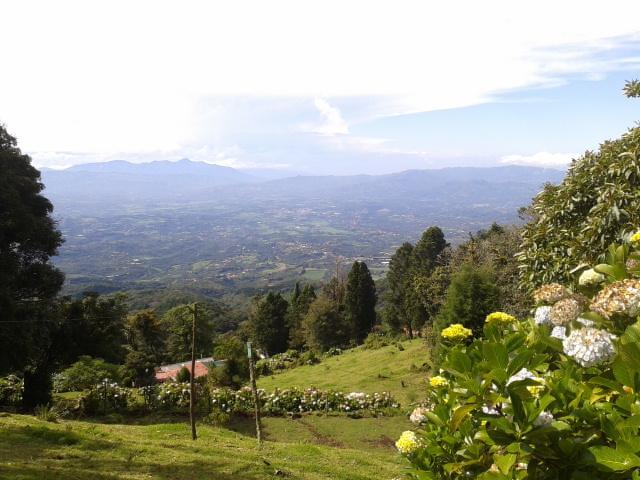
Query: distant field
(310, 448)
(386, 369)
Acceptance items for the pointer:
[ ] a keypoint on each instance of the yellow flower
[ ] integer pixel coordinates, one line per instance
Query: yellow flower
(635, 238)
(456, 332)
(408, 443)
(438, 381)
(500, 318)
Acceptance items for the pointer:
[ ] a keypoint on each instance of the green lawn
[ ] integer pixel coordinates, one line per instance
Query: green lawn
(308, 448)
(385, 369)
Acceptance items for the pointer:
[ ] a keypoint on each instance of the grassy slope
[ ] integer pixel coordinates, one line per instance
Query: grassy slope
(363, 370)
(325, 448)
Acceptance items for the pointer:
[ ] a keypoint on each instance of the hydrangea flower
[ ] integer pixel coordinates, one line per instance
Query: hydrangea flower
(621, 297)
(490, 410)
(419, 415)
(550, 293)
(590, 277)
(589, 346)
(438, 382)
(541, 316)
(408, 443)
(544, 419)
(500, 318)
(559, 332)
(456, 332)
(523, 374)
(566, 310)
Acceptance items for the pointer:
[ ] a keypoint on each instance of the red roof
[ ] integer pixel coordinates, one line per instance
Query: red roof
(163, 374)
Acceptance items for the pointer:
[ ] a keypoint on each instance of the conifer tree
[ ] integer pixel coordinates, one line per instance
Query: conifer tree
(360, 301)
(268, 323)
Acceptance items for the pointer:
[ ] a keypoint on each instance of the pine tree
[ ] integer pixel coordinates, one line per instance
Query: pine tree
(398, 283)
(426, 252)
(300, 301)
(360, 301)
(268, 323)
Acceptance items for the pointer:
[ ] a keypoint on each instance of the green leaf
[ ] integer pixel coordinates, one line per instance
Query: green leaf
(459, 415)
(505, 462)
(609, 459)
(496, 355)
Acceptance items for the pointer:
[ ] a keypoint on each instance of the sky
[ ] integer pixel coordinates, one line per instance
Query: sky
(318, 87)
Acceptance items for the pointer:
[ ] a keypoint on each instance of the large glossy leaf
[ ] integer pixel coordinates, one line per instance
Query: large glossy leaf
(610, 459)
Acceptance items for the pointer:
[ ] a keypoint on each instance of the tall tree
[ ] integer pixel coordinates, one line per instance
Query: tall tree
(471, 296)
(145, 340)
(324, 325)
(360, 301)
(28, 281)
(178, 323)
(268, 323)
(95, 326)
(427, 251)
(300, 301)
(398, 283)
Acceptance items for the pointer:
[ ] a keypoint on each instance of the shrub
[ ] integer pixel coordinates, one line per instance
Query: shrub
(105, 397)
(552, 397)
(184, 375)
(11, 388)
(46, 413)
(84, 374)
(596, 204)
(288, 401)
(375, 341)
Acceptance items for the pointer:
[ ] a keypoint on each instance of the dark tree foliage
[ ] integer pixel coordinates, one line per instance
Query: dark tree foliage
(398, 281)
(427, 251)
(95, 326)
(268, 323)
(178, 323)
(145, 341)
(360, 301)
(471, 296)
(235, 371)
(298, 308)
(28, 281)
(325, 326)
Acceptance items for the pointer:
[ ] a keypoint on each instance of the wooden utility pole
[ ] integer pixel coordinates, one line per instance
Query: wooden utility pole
(192, 418)
(254, 389)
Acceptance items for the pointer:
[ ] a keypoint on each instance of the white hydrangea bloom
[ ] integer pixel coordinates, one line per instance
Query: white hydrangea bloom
(590, 277)
(586, 322)
(559, 332)
(418, 415)
(589, 346)
(541, 316)
(523, 374)
(543, 420)
(490, 410)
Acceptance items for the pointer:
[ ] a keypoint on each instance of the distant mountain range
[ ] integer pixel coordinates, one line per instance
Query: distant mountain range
(164, 181)
(216, 231)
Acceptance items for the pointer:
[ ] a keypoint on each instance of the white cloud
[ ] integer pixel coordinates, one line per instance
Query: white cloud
(334, 123)
(540, 159)
(122, 76)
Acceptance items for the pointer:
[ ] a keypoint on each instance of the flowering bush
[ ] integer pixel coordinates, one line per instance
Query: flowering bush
(11, 388)
(283, 402)
(552, 397)
(105, 397)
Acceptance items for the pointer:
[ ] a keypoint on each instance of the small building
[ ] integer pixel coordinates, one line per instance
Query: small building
(170, 372)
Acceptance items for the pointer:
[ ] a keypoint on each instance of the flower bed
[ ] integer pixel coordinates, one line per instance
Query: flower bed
(551, 397)
(283, 402)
